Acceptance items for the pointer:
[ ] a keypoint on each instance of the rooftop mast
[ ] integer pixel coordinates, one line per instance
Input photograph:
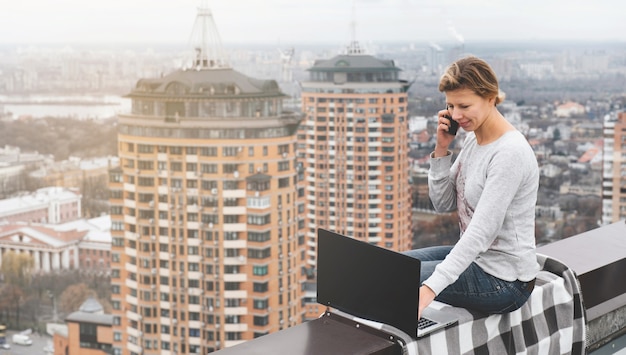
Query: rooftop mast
(354, 48)
(205, 41)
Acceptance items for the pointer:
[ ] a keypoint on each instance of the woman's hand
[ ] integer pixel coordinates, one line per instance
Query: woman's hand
(427, 295)
(443, 138)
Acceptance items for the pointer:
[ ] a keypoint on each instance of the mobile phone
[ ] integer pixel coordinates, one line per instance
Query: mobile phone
(453, 126)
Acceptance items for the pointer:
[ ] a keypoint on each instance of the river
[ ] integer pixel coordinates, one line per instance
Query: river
(74, 106)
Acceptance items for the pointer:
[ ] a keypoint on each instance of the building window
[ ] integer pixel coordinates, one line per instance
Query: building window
(259, 253)
(230, 151)
(260, 303)
(259, 270)
(283, 165)
(258, 236)
(208, 151)
(146, 181)
(260, 287)
(261, 320)
(229, 168)
(259, 219)
(283, 182)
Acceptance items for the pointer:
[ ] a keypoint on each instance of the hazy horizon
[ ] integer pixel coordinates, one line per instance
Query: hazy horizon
(288, 22)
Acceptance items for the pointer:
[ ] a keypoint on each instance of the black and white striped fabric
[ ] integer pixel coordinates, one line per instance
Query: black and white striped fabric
(551, 322)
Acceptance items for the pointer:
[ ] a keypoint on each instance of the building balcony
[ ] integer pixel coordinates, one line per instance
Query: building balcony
(234, 193)
(134, 348)
(235, 311)
(235, 277)
(240, 327)
(234, 227)
(239, 260)
(235, 294)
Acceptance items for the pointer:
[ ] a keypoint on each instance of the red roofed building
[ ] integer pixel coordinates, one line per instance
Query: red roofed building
(82, 244)
(569, 109)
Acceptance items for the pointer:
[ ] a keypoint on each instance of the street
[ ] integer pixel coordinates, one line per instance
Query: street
(37, 348)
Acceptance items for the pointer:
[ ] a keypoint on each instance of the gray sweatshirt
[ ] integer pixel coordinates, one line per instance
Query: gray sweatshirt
(494, 188)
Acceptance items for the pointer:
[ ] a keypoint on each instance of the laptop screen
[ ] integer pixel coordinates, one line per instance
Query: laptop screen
(367, 281)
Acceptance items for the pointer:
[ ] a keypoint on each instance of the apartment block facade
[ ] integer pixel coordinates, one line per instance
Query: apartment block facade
(206, 214)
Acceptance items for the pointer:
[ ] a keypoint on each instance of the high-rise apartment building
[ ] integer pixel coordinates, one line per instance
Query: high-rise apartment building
(614, 170)
(353, 145)
(208, 239)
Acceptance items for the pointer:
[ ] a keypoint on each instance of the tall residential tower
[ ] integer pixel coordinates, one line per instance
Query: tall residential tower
(208, 239)
(353, 144)
(614, 170)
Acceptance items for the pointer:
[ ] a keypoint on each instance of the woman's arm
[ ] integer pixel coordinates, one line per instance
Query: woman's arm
(441, 186)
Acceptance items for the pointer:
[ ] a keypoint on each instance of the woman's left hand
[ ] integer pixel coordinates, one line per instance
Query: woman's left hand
(427, 295)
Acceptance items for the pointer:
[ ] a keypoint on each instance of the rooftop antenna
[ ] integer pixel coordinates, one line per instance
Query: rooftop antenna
(205, 41)
(285, 61)
(354, 48)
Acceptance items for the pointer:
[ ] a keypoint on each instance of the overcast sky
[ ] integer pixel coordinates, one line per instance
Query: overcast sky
(320, 21)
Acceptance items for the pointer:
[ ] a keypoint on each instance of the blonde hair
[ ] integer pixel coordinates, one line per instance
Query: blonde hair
(474, 74)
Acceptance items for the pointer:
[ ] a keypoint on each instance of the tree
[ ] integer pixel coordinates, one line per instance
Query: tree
(74, 296)
(11, 300)
(556, 135)
(16, 269)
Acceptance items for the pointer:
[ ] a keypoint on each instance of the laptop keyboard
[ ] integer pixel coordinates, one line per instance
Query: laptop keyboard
(424, 323)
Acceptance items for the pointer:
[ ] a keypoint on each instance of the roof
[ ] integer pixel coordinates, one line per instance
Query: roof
(84, 317)
(91, 305)
(589, 155)
(38, 235)
(354, 63)
(94, 230)
(206, 83)
(38, 200)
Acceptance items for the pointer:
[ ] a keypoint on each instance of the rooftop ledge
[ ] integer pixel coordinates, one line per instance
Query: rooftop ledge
(598, 257)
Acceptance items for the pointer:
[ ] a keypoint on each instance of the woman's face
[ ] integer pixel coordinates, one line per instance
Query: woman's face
(468, 109)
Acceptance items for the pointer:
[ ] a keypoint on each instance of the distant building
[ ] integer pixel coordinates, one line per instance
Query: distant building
(47, 205)
(353, 145)
(74, 172)
(14, 156)
(569, 109)
(614, 170)
(13, 164)
(78, 245)
(94, 249)
(87, 331)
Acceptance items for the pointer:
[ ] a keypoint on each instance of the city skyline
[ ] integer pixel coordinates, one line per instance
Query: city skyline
(288, 22)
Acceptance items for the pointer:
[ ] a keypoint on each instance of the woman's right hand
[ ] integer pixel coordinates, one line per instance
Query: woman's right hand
(443, 137)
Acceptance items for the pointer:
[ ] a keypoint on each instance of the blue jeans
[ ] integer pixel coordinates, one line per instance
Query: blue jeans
(474, 289)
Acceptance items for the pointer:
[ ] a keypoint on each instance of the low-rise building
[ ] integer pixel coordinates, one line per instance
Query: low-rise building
(81, 244)
(75, 171)
(52, 205)
(86, 332)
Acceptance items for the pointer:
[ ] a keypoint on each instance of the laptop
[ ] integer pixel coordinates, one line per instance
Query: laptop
(373, 283)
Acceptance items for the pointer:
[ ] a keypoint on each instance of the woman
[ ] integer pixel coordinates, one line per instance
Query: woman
(493, 184)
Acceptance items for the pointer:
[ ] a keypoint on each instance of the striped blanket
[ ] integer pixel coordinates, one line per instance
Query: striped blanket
(551, 322)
